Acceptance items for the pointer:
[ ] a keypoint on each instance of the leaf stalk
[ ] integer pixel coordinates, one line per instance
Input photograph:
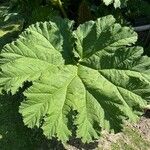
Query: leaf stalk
(61, 8)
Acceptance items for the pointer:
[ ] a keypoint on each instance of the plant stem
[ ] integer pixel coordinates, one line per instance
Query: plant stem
(142, 28)
(62, 9)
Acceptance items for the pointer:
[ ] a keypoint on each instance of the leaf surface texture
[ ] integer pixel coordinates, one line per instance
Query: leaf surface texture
(92, 74)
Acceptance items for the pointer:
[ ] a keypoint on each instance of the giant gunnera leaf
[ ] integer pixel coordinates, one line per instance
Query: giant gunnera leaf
(92, 78)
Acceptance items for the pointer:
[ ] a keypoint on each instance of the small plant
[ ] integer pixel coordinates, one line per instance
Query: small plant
(92, 78)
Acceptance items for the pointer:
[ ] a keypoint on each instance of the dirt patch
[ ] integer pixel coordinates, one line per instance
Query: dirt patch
(133, 137)
(144, 125)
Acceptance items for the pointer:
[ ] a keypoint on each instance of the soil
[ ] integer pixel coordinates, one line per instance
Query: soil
(144, 127)
(133, 137)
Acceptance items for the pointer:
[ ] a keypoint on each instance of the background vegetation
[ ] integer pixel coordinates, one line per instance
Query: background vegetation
(17, 15)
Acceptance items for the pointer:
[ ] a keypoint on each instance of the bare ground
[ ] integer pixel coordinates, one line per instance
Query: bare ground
(133, 137)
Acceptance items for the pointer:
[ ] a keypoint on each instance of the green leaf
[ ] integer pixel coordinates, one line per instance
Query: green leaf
(10, 25)
(22, 56)
(93, 38)
(97, 74)
(116, 3)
